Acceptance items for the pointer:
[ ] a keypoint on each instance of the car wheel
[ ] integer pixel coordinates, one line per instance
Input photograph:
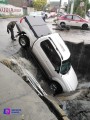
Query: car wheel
(62, 24)
(56, 88)
(24, 41)
(84, 26)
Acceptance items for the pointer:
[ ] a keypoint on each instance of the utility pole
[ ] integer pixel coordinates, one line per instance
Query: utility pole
(85, 8)
(68, 6)
(59, 6)
(72, 6)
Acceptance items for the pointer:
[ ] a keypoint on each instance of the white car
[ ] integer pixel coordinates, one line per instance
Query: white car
(73, 20)
(50, 51)
(39, 13)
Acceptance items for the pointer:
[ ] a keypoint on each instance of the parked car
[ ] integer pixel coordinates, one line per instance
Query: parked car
(73, 20)
(50, 51)
(39, 13)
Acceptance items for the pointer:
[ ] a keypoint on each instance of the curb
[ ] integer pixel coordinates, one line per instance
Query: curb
(55, 108)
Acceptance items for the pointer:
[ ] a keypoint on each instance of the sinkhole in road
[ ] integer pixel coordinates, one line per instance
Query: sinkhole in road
(77, 108)
(80, 60)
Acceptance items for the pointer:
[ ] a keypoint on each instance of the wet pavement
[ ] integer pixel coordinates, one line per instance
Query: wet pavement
(75, 35)
(7, 46)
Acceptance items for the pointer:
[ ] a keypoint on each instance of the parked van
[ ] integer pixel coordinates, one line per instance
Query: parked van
(51, 52)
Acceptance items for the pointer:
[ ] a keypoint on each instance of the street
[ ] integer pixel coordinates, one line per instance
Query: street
(7, 46)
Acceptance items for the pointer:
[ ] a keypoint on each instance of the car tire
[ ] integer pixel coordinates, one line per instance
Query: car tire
(56, 88)
(24, 41)
(62, 24)
(84, 26)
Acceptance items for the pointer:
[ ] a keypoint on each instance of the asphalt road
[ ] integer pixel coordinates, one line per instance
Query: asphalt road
(75, 35)
(7, 46)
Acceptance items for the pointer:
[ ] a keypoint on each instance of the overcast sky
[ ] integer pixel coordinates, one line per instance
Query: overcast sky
(58, 0)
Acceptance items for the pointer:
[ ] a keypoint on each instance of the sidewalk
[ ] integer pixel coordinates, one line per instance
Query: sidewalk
(15, 94)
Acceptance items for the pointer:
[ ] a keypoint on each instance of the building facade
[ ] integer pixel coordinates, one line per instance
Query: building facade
(18, 3)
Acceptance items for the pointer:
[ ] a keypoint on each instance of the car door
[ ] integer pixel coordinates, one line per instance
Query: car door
(68, 20)
(48, 57)
(52, 56)
(76, 21)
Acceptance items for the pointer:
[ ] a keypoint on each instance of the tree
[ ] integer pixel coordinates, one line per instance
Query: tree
(39, 4)
(81, 8)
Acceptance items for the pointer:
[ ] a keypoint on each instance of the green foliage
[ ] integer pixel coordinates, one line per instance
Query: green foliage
(39, 4)
(81, 10)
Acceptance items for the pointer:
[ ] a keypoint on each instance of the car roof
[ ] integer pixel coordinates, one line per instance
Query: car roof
(37, 25)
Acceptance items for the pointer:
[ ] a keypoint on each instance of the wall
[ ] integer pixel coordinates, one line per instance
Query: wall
(10, 10)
